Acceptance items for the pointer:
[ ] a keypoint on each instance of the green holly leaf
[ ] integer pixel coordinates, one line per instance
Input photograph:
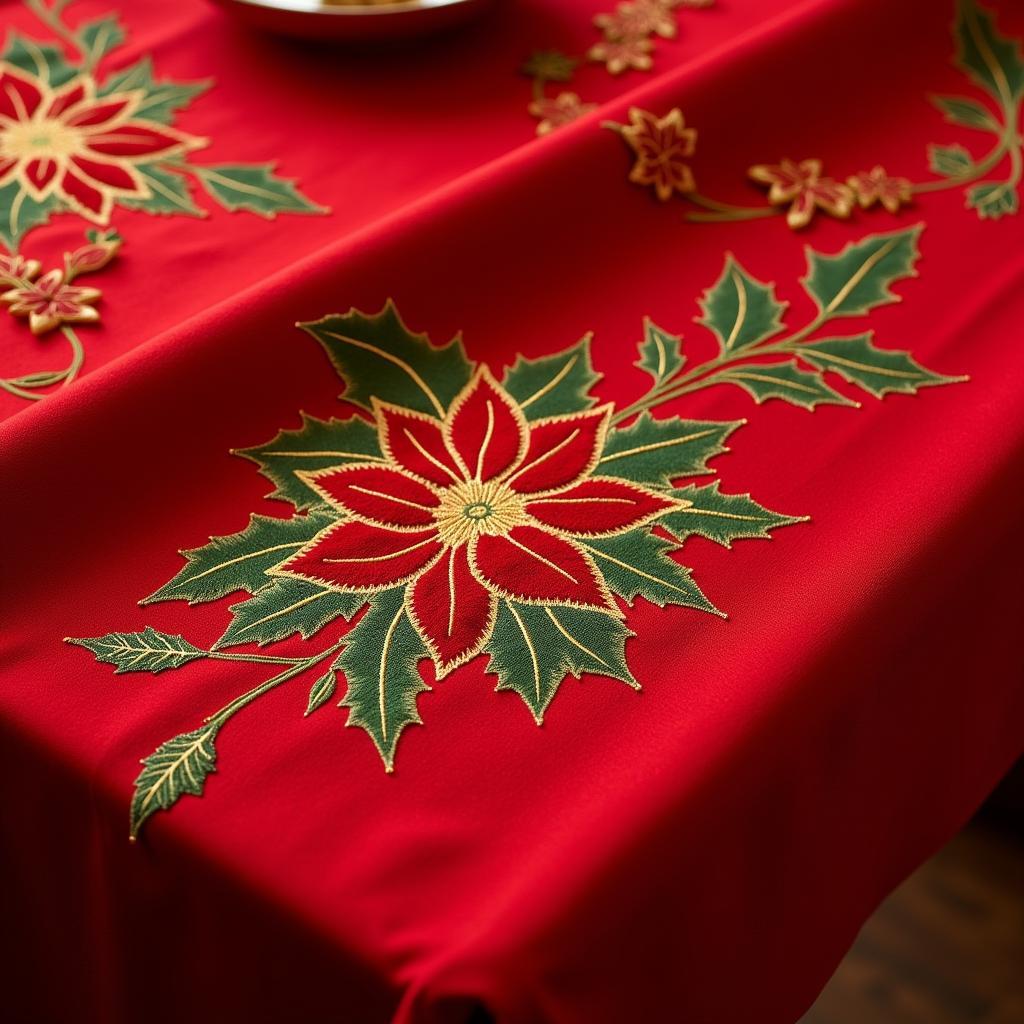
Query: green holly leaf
(533, 649)
(380, 663)
(553, 385)
(321, 691)
(44, 60)
(878, 371)
(722, 518)
(950, 161)
(636, 564)
(741, 310)
(378, 356)
(857, 279)
(175, 768)
(661, 353)
(993, 201)
(657, 451)
(170, 194)
(20, 213)
(99, 37)
(969, 113)
(786, 380)
(550, 66)
(987, 57)
(239, 561)
(162, 100)
(255, 188)
(317, 444)
(284, 607)
(148, 651)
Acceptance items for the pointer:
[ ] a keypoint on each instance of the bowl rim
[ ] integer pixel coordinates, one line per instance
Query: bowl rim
(318, 8)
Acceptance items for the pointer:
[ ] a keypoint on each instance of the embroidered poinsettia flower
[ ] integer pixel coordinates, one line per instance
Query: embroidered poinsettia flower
(15, 269)
(619, 55)
(81, 147)
(801, 185)
(50, 302)
(554, 113)
(478, 506)
(661, 145)
(638, 18)
(876, 186)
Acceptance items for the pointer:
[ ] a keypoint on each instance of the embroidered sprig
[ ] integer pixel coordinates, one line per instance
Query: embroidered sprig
(799, 189)
(53, 300)
(465, 513)
(74, 141)
(627, 44)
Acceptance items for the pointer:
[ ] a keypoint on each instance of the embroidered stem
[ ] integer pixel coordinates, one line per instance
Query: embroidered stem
(706, 374)
(726, 211)
(298, 666)
(29, 385)
(51, 17)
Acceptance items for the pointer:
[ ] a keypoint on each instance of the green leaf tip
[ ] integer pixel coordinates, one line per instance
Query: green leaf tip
(176, 768)
(858, 278)
(740, 310)
(377, 355)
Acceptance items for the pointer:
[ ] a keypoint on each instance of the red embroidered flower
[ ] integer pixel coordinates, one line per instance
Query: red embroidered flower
(478, 506)
(49, 302)
(565, 107)
(660, 145)
(877, 186)
(16, 269)
(637, 19)
(802, 185)
(619, 54)
(79, 146)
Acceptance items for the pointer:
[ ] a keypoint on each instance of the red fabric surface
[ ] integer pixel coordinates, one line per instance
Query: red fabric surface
(704, 850)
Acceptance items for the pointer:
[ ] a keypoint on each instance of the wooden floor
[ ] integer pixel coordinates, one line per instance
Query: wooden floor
(947, 947)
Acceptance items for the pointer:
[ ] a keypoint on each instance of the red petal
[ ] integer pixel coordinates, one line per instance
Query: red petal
(562, 450)
(355, 556)
(41, 172)
(19, 94)
(65, 98)
(598, 507)
(451, 609)
(536, 567)
(378, 494)
(485, 428)
(49, 284)
(414, 441)
(99, 113)
(801, 211)
(81, 192)
(107, 174)
(132, 139)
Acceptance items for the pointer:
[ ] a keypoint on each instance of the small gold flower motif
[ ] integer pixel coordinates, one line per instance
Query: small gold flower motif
(802, 186)
(554, 113)
(878, 186)
(618, 55)
(661, 144)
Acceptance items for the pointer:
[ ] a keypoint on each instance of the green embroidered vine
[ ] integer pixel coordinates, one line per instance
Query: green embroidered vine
(798, 189)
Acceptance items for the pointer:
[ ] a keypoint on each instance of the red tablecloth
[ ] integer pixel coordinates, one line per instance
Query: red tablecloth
(707, 816)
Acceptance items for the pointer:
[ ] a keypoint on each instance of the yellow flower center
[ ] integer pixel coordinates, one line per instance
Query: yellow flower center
(471, 508)
(34, 139)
